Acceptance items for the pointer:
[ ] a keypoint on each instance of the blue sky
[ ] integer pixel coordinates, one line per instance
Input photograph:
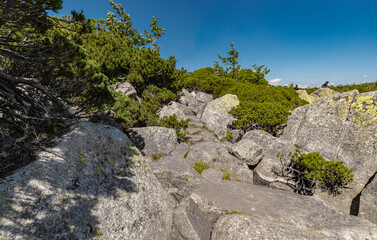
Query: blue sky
(303, 42)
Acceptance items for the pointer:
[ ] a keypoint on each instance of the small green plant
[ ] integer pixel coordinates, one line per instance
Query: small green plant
(236, 212)
(99, 233)
(156, 156)
(229, 136)
(82, 159)
(226, 172)
(214, 159)
(310, 170)
(200, 166)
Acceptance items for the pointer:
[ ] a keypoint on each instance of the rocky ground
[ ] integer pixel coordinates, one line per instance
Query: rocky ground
(98, 183)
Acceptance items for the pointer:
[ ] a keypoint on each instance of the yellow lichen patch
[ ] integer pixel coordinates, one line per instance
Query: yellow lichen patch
(341, 100)
(364, 111)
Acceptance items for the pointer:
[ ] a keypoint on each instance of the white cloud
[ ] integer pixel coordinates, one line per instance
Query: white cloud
(303, 86)
(275, 80)
(365, 76)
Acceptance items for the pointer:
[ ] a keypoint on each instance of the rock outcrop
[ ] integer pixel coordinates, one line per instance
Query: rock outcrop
(93, 184)
(340, 127)
(320, 93)
(216, 115)
(271, 210)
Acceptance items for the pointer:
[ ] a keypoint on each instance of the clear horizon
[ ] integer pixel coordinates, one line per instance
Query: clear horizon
(301, 42)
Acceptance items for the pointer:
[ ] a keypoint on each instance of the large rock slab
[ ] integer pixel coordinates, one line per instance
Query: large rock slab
(176, 175)
(368, 201)
(93, 184)
(191, 222)
(216, 114)
(153, 140)
(310, 214)
(340, 127)
(238, 226)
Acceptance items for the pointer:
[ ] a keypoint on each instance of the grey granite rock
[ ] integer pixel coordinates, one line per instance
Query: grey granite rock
(310, 214)
(153, 140)
(190, 221)
(216, 115)
(368, 201)
(341, 127)
(92, 184)
(176, 176)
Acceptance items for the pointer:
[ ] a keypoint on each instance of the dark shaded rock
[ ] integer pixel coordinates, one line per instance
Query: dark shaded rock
(153, 140)
(190, 221)
(92, 184)
(368, 201)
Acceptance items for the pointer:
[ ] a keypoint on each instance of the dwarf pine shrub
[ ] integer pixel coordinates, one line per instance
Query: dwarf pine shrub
(310, 171)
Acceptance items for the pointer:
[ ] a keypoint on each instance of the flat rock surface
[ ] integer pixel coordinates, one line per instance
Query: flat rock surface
(307, 213)
(176, 175)
(238, 226)
(93, 184)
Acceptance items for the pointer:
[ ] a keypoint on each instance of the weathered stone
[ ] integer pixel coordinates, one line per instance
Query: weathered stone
(304, 95)
(126, 88)
(153, 140)
(248, 151)
(176, 176)
(216, 114)
(323, 92)
(190, 221)
(213, 175)
(192, 131)
(368, 201)
(203, 152)
(92, 184)
(266, 171)
(235, 135)
(180, 150)
(340, 127)
(181, 111)
(311, 214)
(196, 124)
(238, 226)
(203, 136)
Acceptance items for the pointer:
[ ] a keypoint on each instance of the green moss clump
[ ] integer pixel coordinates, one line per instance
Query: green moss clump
(200, 166)
(226, 175)
(156, 156)
(236, 212)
